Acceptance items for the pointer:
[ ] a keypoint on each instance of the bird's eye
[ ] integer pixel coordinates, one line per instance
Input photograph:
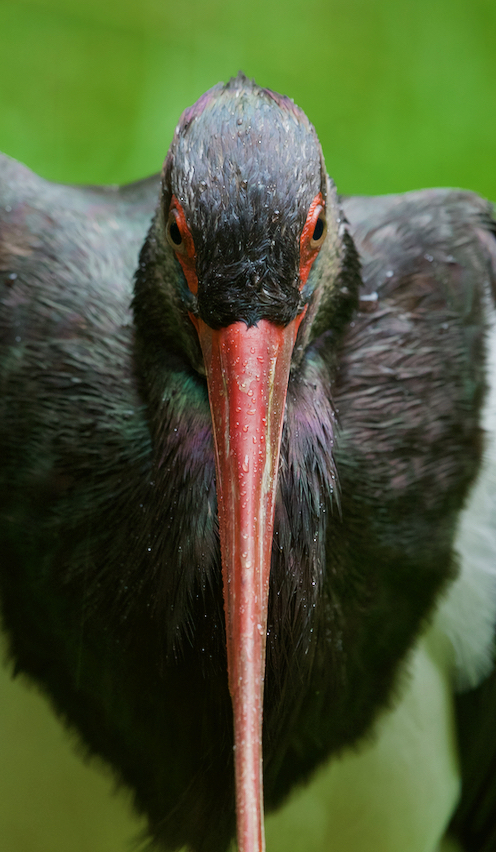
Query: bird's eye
(319, 231)
(180, 239)
(173, 232)
(312, 236)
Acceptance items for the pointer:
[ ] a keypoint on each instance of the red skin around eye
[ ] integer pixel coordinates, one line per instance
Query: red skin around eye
(186, 258)
(308, 253)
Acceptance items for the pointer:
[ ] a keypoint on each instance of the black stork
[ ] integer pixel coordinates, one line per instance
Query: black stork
(247, 438)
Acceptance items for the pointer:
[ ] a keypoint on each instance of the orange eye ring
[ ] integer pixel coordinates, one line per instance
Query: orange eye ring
(181, 241)
(312, 236)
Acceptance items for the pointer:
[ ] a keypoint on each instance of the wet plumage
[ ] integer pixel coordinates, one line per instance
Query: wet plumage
(111, 568)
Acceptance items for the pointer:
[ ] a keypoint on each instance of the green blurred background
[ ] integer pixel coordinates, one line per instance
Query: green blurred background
(402, 95)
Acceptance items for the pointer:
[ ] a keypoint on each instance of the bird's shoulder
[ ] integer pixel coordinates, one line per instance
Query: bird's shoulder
(395, 232)
(431, 249)
(74, 234)
(412, 367)
(18, 181)
(68, 256)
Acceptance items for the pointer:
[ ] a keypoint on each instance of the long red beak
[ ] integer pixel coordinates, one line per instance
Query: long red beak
(247, 374)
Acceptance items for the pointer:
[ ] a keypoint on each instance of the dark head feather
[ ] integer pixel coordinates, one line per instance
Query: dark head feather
(233, 168)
